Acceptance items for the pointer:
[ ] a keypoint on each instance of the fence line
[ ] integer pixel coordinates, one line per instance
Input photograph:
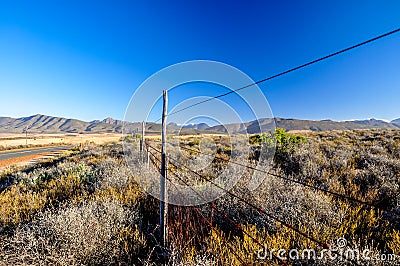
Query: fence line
(259, 209)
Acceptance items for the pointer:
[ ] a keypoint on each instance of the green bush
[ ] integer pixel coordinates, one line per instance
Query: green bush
(281, 138)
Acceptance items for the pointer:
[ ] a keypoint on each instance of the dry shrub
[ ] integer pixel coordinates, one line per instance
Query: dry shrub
(19, 202)
(113, 173)
(87, 233)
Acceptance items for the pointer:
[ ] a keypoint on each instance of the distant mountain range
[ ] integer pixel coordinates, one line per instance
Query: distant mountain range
(49, 124)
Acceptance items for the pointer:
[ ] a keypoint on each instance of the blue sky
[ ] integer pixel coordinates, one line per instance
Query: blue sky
(84, 59)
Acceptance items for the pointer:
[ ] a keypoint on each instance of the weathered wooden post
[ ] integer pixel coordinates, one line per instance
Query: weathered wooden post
(142, 142)
(148, 158)
(163, 176)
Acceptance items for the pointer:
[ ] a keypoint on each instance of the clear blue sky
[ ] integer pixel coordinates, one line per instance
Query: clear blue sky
(84, 59)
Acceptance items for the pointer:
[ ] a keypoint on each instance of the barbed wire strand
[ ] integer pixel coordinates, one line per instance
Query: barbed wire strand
(289, 70)
(327, 191)
(324, 245)
(259, 209)
(204, 218)
(237, 225)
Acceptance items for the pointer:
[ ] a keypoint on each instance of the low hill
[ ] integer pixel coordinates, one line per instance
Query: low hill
(200, 126)
(396, 122)
(297, 124)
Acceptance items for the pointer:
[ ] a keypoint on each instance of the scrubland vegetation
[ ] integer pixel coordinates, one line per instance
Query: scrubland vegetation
(88, 209)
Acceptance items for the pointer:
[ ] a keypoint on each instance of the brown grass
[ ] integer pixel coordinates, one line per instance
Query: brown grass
(8, 141)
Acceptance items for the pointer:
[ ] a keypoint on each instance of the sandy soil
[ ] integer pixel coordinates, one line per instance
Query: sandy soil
(14, 140)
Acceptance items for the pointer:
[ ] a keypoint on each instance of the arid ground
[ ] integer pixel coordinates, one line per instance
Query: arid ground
(14, 140)
(87, 207)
